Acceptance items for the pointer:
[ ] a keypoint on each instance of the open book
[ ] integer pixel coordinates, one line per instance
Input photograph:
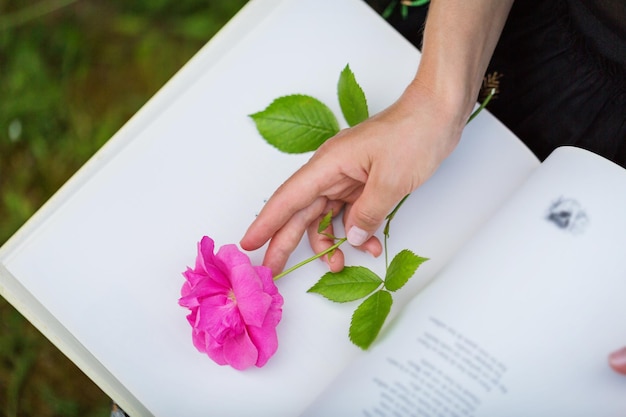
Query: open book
(520, 321)
(514, 313)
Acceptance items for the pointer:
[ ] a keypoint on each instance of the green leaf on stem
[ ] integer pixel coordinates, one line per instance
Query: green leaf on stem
(296, 123)
(349, 284)
(401, 269)
(325, 222)
(351, 98)
(369, 318)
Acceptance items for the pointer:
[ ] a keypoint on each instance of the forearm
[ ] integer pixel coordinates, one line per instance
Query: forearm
(459, 39)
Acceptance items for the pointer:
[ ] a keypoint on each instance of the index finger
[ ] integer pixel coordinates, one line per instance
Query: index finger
(297, 192)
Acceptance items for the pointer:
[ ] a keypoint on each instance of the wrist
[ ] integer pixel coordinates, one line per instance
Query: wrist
(434, 122)
(459, 38)
(451, 104)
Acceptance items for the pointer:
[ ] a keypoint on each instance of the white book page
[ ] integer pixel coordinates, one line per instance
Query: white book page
(105, 261)
(522, 320)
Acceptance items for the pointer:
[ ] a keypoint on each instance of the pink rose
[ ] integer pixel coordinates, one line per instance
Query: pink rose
(235, 306)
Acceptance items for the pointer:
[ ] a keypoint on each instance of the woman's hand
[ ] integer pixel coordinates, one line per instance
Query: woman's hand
(364, 171)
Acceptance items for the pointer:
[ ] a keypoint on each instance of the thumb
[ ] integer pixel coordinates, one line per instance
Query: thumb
(368, 212)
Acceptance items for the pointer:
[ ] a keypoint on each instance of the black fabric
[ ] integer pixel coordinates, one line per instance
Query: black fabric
(555, 85)
(608, 13)
(556, 88)
(603, 25)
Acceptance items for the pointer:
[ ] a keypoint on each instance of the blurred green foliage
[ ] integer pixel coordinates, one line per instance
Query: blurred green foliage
(72, 72)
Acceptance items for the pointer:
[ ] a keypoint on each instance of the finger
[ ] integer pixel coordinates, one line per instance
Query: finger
(335, 207)
(380, 195)
(295, 194)
(371, 245)
(617, 360)
(289, 236)
(322, 241)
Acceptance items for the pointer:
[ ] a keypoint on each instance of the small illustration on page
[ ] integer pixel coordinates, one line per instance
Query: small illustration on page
(567, 214)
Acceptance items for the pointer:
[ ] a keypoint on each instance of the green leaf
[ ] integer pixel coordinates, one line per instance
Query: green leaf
(369, 318)
(351, 98)
(325, 222)
(401, 268)
(296, 123)
(351, 283)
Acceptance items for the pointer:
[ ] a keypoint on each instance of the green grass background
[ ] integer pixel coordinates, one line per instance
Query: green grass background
(72, 72)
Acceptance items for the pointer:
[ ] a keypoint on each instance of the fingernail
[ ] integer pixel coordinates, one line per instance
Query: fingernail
(356, 236)
(617, 359)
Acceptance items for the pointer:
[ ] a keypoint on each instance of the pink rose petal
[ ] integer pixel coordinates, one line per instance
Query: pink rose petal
(234, 306)
(240, 352)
